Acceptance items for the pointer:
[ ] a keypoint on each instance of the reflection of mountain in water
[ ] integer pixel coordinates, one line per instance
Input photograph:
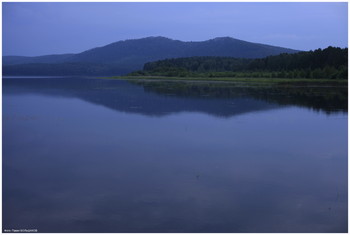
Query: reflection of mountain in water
(161, 98)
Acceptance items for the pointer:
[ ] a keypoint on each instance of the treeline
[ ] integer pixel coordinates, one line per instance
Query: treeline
(331, 63)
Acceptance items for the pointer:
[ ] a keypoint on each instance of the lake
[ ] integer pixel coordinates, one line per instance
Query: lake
(100, 155)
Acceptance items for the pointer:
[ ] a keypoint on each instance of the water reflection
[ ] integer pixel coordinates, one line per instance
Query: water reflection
(162, 98)
(72, 165)
(317, 96)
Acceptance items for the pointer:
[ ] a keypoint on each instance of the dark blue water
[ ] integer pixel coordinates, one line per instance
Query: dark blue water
(92, 155)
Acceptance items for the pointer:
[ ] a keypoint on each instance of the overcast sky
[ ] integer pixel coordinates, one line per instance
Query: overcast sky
(41, 28)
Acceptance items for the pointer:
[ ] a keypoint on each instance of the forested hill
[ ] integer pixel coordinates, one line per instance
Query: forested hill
(129, 55)
(331, 62)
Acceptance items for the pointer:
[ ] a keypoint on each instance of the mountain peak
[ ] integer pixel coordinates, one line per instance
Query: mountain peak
(154, 38)
(157, 37)
(222, 38)
(228, 39)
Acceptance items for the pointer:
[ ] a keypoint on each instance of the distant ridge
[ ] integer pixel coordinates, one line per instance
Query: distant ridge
(128, 55)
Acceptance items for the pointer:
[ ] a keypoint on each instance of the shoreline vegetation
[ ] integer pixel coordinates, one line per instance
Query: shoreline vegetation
(329, 65)
(232, 79)
(315, 79)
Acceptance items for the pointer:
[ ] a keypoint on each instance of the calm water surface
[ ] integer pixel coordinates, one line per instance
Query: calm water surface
(92, 155)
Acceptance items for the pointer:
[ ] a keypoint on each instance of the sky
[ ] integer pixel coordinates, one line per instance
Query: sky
(41, 28)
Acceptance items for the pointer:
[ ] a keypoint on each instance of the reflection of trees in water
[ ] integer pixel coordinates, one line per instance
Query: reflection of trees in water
(161, 98)
(320, 97)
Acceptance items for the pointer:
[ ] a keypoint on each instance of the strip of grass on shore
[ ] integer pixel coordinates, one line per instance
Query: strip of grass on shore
(233, 79)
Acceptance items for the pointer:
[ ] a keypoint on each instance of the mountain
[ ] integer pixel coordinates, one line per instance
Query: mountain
(129, 55)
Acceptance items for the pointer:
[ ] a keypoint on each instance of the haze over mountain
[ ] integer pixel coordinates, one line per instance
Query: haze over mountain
(129, 55)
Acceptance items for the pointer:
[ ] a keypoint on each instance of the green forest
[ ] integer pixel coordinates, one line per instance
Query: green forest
(329, 63)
